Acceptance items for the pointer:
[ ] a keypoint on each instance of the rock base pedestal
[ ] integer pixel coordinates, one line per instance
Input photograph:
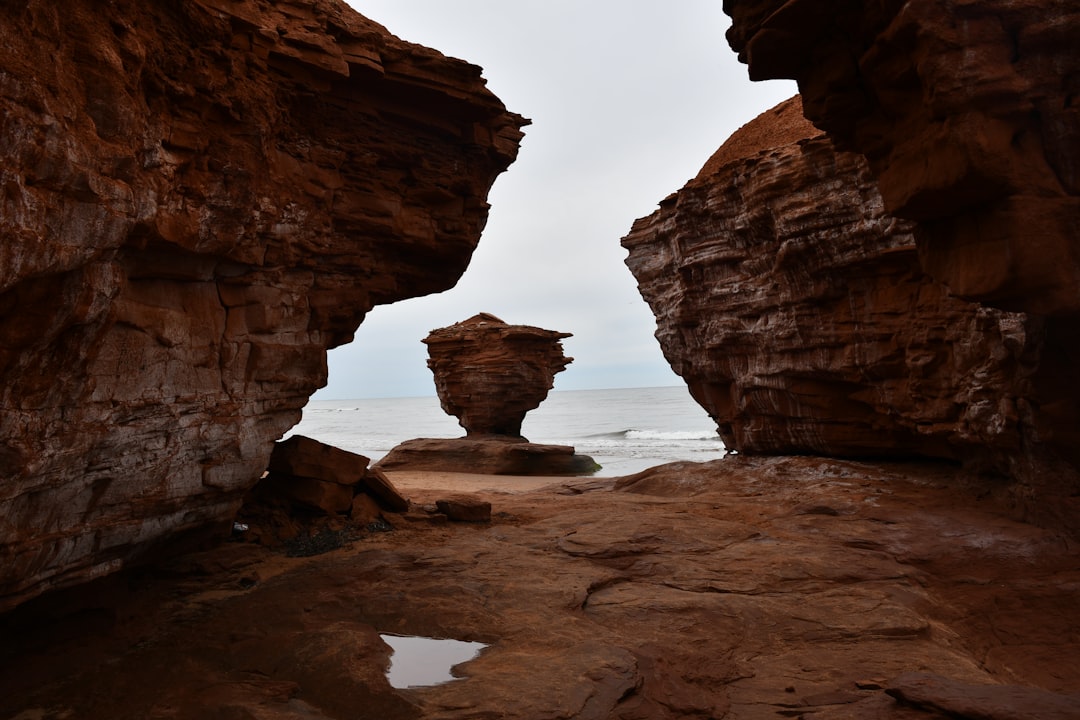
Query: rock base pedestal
(487, 456)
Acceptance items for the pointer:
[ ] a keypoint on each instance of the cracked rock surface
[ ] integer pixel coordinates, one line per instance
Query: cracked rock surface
(743, 588)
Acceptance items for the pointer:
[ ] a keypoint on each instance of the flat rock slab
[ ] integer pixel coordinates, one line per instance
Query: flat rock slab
(487, 456)
(304, 457)
(984, 702)
(715, 590)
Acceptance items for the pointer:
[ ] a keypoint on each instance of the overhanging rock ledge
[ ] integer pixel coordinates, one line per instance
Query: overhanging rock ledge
(198, 200)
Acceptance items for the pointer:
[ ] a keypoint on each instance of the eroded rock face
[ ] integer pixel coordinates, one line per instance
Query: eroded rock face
(198, 199)
(489, 374)
(793, 305)
(969, 116)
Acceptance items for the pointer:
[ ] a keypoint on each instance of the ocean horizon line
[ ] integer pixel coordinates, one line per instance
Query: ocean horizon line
(433, 394)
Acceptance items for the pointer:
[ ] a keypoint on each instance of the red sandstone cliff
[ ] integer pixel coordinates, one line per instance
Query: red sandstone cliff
(794, 307)
(968, 114)
(489, 374)
(198, 199)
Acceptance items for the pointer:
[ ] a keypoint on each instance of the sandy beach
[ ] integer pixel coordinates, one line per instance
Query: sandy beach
(428, 482)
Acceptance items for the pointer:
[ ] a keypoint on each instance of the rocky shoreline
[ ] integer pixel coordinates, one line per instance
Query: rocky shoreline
(200, 199)
(742, 588)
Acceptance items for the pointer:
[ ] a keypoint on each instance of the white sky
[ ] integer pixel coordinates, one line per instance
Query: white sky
(628, 100)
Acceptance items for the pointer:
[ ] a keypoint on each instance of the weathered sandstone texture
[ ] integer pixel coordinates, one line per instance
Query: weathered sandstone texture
(968, 113)
(464, 508)
(793, 305)
(198, 199)
(489, 374)
(487, 455)
(319, 476)
(743, 589)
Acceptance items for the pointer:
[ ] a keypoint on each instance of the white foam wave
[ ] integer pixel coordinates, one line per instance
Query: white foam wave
(672, 435)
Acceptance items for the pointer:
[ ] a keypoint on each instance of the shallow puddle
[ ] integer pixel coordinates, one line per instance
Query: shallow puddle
(423, 661)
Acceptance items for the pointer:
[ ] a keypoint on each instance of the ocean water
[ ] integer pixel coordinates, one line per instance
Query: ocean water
(624, 430)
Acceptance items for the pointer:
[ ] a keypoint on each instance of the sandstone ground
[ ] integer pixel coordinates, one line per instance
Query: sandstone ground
(743, 588)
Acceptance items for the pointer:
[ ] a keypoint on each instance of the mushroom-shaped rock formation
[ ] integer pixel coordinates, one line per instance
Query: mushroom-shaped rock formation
(490, 374)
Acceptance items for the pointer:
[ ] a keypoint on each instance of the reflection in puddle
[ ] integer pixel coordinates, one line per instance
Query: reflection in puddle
(420, 661)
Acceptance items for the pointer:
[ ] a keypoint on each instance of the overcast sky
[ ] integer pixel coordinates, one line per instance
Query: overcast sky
(628, 99)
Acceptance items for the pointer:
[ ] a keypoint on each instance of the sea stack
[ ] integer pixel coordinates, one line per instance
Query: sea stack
(489, 374)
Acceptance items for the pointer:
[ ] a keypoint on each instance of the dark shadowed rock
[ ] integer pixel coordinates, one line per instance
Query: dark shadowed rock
(326, 478)
(300, 456)
(967, 115)
(377, 485)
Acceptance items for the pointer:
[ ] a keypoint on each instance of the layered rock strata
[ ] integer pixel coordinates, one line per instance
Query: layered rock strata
(968, 114)
(794, 307)
(489, 374)
(488, 455)
(198, 200)
(319, 476)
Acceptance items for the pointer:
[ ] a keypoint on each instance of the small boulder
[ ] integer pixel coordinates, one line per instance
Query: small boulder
(313, 474)
(465, 508)
(323, 477)
(300, 456)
